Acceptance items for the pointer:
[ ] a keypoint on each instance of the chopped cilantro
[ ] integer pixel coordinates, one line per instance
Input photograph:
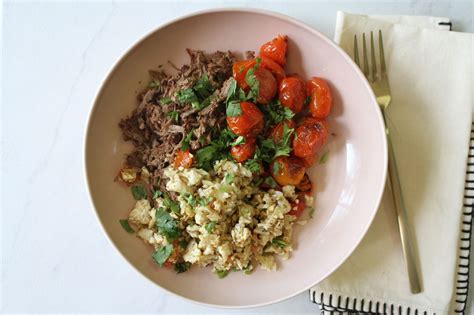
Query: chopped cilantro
(166, 225)
(253, 165)
(283, 148)
(221, 273)
(174, 115)
(182, 267)
(229, 178)
(307, 100)
(162, 254)
(204, 201)
(126, 226)
(187, 139)
(139, 192)
(240, 140)
(165, 100)
(231, 91)
(252, 81)
(154, 84)
(324, 158)
(276, 167)
(157, 193)
(279, 241)
(270, 182)
(174, 206)
(203, 87)
(233, 109)
(186, 96)
(210, 226)
(205, 156)
(190, 199)
(276, 113)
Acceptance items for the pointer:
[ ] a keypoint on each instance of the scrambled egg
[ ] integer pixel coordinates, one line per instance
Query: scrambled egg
(225, 219)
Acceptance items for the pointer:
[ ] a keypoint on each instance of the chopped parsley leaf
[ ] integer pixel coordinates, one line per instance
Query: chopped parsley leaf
(167, 225)
(229, 178)
(253, 165)
(139, 192)
(157, 193)
(276, 167)
(232, 90)
(154, 84)
(187, 139)
(162, 254)
(182, 267)
(283, 148)
(187, 96)
(324, 158)
(240, 140)
(165, 100)
(174, 206)
(233, 109)
(279, 241)
(205, 156)
(203, 87)
(221, 273)
(210, 226)
(252, 81)
(126, 226)
(307, 100)
(174, 115)
(270, 182)
(276, 113)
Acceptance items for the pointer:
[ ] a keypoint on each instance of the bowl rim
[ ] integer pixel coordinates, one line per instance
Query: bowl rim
(111, 71)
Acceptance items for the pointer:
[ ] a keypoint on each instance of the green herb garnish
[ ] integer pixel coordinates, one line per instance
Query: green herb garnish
(174, 206)
(187, 140)
(270, 182)
(232, 90)
(210, 226)
(324, 158)
(279, 241)
(162, 254)
(221, 273)
(157, 193)
(165, 100)
(174, 115)
(307, 100)
(203, 87)
(167, 225)
(253, 165)
(182, 267)
(283, 148)
(276, 113)
(139, 192)
(240, 140)
(233, 109)
(205, 156)
(126, 226)
(229, 178)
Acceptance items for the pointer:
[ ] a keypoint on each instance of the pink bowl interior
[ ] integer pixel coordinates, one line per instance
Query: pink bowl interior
(349, 185)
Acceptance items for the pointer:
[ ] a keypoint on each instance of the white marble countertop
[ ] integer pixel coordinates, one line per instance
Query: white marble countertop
(55, 258)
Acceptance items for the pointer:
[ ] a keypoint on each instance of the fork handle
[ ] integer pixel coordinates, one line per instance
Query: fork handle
(402, 217)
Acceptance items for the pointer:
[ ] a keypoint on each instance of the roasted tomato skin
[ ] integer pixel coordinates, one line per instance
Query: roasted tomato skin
(183, 159)
(274, 68)
(267, 85)
(276, 49)
(278, 130)
(239, 71)
(305, 184)
(245, 151)
(309, 160)
(249, 123)
(310, 136)
(287, 170)
(320, 104)
(292, 93)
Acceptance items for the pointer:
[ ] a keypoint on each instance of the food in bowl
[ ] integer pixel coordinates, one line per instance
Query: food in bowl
(219, 160)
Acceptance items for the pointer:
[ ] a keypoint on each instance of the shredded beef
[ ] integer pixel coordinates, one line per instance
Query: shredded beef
(153, 131)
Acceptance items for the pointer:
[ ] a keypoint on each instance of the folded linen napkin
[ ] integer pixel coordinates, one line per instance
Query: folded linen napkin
(430, 71)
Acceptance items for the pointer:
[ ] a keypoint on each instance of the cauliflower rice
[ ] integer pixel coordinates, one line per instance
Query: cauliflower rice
(221, 219)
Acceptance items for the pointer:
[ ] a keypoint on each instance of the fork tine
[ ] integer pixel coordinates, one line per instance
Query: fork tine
(364, 55)
(372, 56)
(382, 56)
(356, 51)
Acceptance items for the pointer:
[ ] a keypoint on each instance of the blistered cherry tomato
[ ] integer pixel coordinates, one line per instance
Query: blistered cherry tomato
(298, 207)
(243, 152)
(287, 170)
(276, 49)
(320, 103)
(249, 123)
(183, 159)
(239, 71)
(278, 130)
(310, 137)
(292, 93)
(267, 86)
(309, 160)
(274, 68)
(305, 184)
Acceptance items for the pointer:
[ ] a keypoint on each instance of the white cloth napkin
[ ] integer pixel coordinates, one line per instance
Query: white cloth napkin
(430, 71)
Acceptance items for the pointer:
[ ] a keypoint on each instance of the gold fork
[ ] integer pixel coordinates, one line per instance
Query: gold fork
(379, 83)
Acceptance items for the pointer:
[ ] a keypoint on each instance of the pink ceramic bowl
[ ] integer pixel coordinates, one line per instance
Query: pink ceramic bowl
(349, 185)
